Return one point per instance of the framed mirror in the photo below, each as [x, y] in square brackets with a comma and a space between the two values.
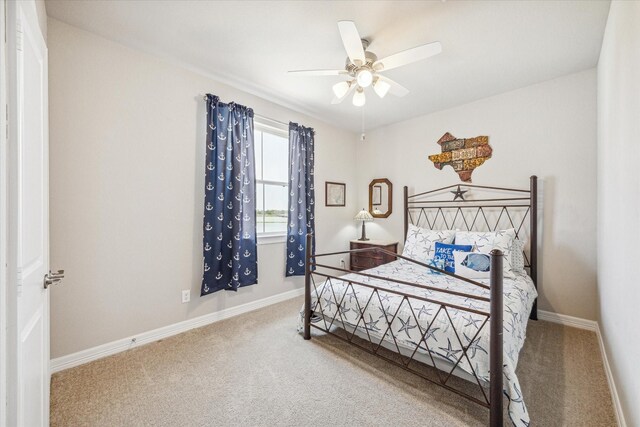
[380, 198]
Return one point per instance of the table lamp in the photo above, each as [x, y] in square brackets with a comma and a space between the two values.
[363, 216]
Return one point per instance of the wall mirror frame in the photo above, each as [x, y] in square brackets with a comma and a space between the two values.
[380, 198]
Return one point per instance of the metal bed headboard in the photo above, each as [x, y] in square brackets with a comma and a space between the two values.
[504, 208]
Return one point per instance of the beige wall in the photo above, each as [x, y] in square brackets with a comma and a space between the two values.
[548, 130]
[127, 172]
[127, 181]
[619, 200]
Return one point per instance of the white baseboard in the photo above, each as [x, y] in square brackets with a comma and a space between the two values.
[91, 354]
[591, 325]
[563, 319]
[612, 385]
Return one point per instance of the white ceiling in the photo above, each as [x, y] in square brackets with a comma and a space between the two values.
[489, 47]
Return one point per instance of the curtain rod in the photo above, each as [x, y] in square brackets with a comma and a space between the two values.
[261, 117]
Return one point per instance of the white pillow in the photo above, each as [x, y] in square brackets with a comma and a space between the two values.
[517, 257]
[485, 242]
[421, 242]
[472, 265]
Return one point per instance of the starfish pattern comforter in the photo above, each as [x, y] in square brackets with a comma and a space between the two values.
[345, 302]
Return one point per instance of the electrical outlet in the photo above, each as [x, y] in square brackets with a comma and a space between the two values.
[342, 265]
[186, 296]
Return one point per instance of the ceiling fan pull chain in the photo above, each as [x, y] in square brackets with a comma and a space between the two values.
[362, 135]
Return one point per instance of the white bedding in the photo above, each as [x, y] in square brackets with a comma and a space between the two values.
[519, 295]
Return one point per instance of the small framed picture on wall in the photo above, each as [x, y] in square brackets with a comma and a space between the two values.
[335, 193]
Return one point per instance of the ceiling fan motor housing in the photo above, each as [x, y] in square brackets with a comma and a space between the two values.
[369, 56]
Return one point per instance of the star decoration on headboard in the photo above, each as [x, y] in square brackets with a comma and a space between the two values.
[463, 155]
[458, 194]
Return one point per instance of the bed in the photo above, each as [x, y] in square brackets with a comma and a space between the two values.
[465, 328]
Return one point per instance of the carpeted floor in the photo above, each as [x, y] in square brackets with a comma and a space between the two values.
[255, 370]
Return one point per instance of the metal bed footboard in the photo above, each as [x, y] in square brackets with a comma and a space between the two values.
[494, 319]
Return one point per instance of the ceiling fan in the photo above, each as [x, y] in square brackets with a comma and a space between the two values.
[363, 68]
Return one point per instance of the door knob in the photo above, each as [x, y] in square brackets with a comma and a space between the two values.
[53, 278]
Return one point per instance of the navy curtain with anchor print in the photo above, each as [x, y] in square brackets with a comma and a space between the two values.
[229, 242]
[301, 197]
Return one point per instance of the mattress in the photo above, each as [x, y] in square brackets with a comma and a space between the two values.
[409, 320]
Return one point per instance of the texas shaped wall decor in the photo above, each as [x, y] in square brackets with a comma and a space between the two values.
[463, 155]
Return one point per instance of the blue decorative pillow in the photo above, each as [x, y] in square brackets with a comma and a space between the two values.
[445, 251]
[473, 265]
[437, 263]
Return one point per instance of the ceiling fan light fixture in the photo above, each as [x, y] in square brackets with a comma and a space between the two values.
[362, 67]
[359, 98]
[381, 87]
[364, 77]
[340, 89]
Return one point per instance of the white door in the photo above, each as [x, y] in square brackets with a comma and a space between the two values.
[29, 210]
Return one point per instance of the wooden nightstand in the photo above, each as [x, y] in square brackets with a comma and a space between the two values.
[363, 260]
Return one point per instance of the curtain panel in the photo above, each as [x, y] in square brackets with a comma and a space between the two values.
[301, 197]
[229, 226]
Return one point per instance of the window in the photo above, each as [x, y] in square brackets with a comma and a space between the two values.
[272, 177]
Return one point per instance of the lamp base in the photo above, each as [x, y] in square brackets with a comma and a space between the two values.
[363, 238]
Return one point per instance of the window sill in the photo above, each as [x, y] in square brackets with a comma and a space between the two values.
[270, 239]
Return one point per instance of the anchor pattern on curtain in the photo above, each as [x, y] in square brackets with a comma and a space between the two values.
[229, 226]
[301, 197]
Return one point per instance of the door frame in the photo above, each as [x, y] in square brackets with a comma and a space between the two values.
[4, 223]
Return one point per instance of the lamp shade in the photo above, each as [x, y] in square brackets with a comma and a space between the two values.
[340, 89]
[364, 78]
[363, 215]
[381, 88]
[359, 98]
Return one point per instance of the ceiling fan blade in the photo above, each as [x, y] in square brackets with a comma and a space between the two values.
[351, 41]
[318, 72]
[408, 56]
[396, 88]
[337, 100]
